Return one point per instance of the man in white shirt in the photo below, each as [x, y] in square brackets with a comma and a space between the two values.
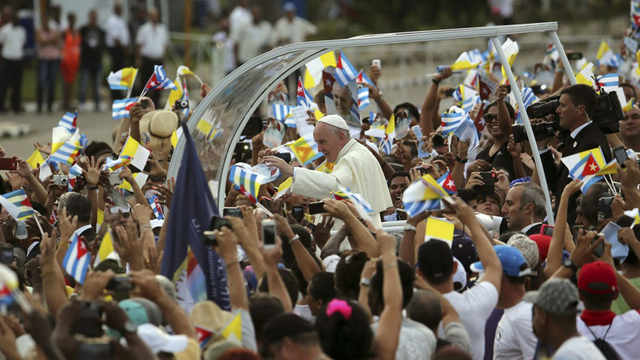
[117, 38]
[12, 38]
[223, 37]
[252, 38]
[291, 28]
[514, 338]
[555, 307]
[239, 16]
[151, 46]
[436, 266]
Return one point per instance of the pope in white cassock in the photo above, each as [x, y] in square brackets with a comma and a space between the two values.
[355, 168]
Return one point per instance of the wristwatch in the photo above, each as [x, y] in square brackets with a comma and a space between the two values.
[569, 263]
[409, 227]
[365, 281]
[129, 327]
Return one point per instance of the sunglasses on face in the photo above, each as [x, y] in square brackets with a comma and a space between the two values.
[490, 117]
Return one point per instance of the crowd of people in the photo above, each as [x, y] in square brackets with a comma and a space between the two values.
[112, 259]
[79, 53]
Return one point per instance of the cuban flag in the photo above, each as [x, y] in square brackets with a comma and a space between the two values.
[69, 121]
[303, 96]
[609, 82]
[634, 15]
[247, 181]
[361, 205]
[155, 206]
[76, 261]
[587, 166]
[280, 112]
[386, 147]
[363, 98]
[362, 78]
[418, 207]
[447, 183]
[450, 121]
[17, 204]
[528, 98]
[120, 108]
[159, 80]
[204, 335]
[345, 72]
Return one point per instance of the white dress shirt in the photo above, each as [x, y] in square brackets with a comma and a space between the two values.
[288, 32]
[117, 29]
[152, 40]
[12, 39]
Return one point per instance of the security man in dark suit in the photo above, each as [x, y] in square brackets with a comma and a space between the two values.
[577, 104]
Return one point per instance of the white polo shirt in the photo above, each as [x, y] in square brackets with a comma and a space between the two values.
[514, 336]
[624, 334]
[474, 307]
[152, 40]
[12, 39]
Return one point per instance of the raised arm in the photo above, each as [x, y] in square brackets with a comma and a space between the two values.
[554, 258]
[486, 253]
[305, 261]
[228, 250]
[365, 240]
[385, 342]
[430, 104]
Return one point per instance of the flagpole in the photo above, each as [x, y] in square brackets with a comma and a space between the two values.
[38, 223]
[437, 73]
[198, 78]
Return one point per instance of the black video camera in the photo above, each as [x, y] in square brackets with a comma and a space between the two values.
[544, 108]
[608, 112]
[540, 131]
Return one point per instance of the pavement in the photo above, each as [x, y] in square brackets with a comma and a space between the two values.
[31, 127]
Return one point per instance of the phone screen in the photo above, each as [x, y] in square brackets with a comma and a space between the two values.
[232, 211]
[489, 184]
[620, 153]
[6, 256]
[316, 208]
[8, 164]
[268, 232]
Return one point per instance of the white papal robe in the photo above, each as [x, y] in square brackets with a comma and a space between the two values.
[355, 168]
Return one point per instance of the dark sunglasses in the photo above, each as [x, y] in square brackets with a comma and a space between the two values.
[490, 117]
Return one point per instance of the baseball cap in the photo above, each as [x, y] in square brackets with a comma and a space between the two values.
[284, 325]
[136, 312]
[435, 259]
[459, 277]
[543, 242]
[513, 263]
[463, 249]
[159, 341]
[528, 248]
[597, 278]
[556, 296]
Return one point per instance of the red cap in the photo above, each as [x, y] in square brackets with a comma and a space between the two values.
[543, 242]
[599, 273]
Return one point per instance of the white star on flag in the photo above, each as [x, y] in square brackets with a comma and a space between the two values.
[450, 183]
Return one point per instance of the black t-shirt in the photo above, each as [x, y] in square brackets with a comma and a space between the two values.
[501, 159]
[92, 43]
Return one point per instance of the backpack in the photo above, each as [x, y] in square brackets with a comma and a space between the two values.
[603, 345]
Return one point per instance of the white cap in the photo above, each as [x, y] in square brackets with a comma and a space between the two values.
[155, 223]
[460, 276]
[159, 341]
[335, 120]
